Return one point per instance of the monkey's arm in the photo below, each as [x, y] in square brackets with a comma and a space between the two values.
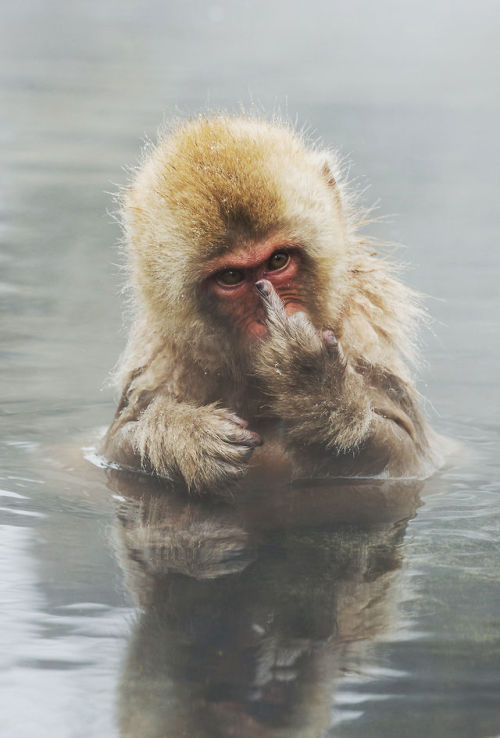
[365, 415]
[205, 446]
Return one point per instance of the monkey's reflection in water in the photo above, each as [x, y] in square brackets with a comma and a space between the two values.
[251, 609]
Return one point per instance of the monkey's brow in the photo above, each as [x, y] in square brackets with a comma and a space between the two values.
[213, 267]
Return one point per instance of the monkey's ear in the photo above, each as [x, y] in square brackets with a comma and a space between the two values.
[328, 175]
[328, 165]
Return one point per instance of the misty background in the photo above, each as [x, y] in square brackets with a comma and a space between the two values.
[409, 93]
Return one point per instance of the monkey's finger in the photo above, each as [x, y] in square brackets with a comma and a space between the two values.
[296, 327]
[363, 366]
[235, 419]
[245, 438]
[333, 347]
[273, 306]
[235, 455]
[244, 452]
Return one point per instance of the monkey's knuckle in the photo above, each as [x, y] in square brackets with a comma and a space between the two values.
[237, 454]
[244, 439]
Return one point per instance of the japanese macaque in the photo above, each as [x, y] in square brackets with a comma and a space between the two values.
[268, 334]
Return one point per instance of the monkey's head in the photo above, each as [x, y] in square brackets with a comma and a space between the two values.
[222, 203]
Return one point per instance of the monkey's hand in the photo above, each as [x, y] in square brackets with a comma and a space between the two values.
[208, 447]
[309, 382]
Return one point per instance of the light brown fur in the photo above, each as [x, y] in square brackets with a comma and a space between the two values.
[320, 405]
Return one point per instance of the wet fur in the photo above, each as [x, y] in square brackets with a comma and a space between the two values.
[209, 186]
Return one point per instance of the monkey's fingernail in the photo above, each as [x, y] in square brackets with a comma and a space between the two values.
[256, 439]
[263, 286]
[329, 339]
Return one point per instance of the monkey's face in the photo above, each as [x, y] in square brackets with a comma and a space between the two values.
[221, 204]
[231, 283]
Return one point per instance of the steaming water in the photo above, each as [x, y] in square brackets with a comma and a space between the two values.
[128, 612]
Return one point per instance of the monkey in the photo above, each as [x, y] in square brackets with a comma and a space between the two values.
[269, 335]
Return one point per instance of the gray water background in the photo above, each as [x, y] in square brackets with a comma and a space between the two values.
[410, 93]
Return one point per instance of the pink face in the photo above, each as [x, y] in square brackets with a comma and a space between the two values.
[231, 280]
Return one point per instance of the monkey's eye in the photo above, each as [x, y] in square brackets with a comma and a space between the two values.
[278, 260]
[230, 277]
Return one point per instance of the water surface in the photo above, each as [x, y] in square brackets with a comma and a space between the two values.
[367, 610]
